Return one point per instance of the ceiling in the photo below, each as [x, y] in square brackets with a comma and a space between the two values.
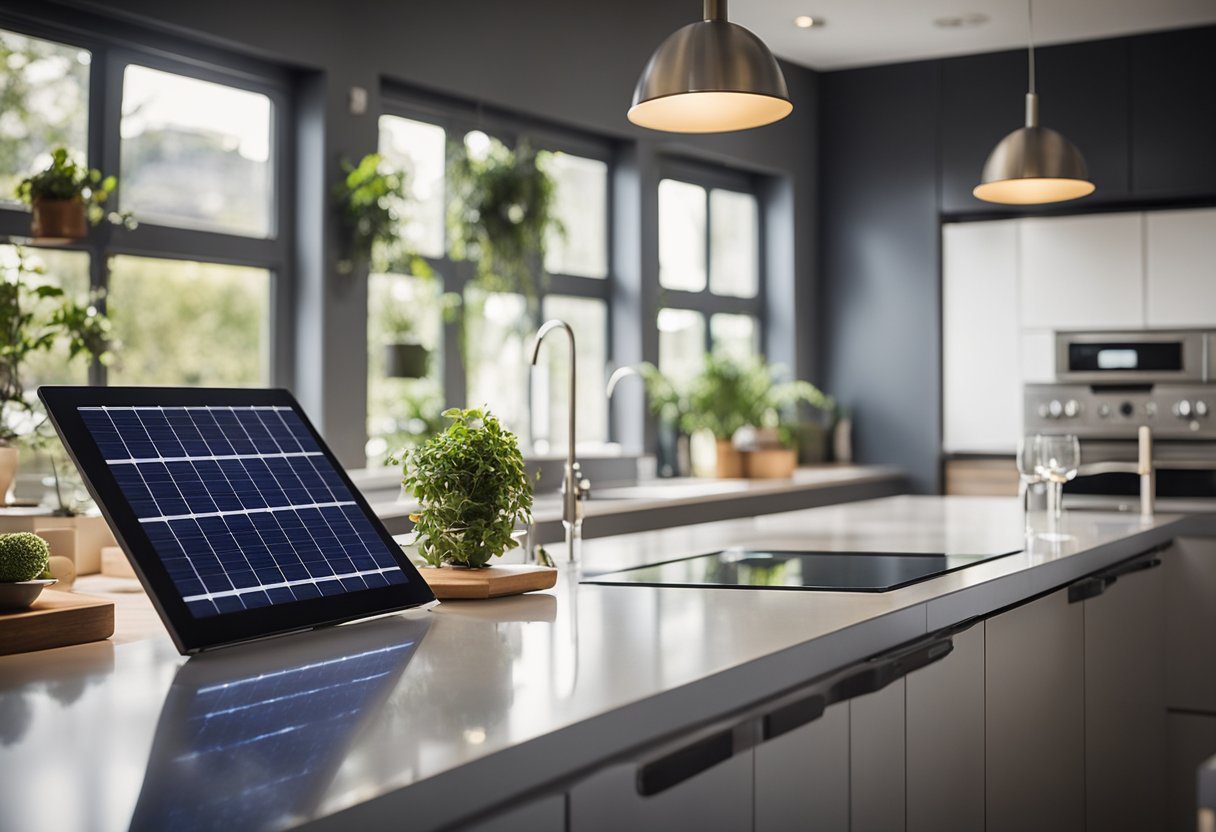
[866, 32]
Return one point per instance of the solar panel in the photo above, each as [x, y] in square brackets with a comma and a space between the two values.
[240, 504]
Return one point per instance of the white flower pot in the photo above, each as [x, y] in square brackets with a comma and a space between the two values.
[8, 473]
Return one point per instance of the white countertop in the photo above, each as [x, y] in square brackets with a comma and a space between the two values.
[517, 690]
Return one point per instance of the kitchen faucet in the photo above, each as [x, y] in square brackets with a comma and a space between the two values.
[1143, 466]
[574, 488]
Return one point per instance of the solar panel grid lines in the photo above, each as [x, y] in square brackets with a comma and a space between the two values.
[241, 504]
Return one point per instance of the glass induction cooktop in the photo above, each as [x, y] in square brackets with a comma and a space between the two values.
[823, 571]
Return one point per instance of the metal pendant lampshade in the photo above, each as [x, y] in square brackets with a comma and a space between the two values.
[712, 76]
[1033, 165]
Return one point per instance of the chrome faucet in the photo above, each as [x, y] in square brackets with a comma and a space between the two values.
[1143, 466]
[619, 375]
[574, 488]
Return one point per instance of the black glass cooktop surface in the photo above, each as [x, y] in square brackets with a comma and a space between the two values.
[823, 571]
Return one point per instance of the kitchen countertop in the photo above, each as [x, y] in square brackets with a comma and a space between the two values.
[513, 693]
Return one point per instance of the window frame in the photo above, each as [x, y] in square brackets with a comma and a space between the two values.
[705, 301]
[457, 119]
[113, 47]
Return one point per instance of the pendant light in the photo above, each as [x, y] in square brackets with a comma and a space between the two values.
[712, 76]
[1033, 164]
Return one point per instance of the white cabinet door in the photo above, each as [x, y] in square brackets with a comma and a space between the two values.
[945, 744]
[981, 383]
[1082, 272]
[1034, 761]
[1181, 261]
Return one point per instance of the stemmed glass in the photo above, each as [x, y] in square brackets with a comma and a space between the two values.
[1058, 459]
[1028, 474]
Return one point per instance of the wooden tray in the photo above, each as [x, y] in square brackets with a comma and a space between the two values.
[489, 582]
[57, 619]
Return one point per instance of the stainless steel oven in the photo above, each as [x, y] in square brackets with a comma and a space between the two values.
[1107, 385]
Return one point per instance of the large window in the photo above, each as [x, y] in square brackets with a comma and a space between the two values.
[709, 268]
[198, 148]
[491, 367]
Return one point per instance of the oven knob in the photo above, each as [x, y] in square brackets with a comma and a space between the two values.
[1150, 408]
[1044, 413]
[1072, 408]
[1201, 409]
[1055, 409]
[1104, 410]
[1183, 409]
[1127, 409]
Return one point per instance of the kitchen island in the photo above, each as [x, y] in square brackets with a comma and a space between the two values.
[552, 711]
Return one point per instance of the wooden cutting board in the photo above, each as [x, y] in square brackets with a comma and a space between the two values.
[450, 584]
[56, 619]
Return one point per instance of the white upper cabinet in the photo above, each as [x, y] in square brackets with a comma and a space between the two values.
[980, 356]
[1082, 272]
[1181, 268]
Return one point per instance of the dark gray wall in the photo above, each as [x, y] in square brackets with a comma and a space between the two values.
[880, 316]
[571, 63]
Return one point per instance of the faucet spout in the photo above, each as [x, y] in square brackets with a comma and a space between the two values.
[572, 512]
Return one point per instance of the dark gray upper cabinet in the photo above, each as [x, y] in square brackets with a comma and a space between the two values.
[1173, 113]
[1082, 94]
[982, 100]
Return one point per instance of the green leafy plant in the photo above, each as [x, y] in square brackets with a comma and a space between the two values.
[23, 556]
[64, 180]
[500, 213]
[34, 316]
[730, 393]
[372, 200]
[473, 489]
[665, 401]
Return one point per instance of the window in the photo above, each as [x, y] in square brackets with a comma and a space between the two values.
[709, 269]
[44, 87]
[195, 154]
[179, 322]
[192, 290]
[493, 367]
[69, 271]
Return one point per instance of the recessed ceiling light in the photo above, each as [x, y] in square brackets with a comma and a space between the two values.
[805, 21]
[961, 21]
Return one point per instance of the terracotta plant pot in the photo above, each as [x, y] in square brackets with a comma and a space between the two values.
[8, 473]
[406, 360]
[770, 463]
[729, 460]
[59, 220]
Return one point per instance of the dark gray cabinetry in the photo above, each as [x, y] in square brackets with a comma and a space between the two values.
[802, 777]
[1035, 717]
[945, 740]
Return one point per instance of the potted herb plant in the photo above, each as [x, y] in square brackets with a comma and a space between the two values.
[24, 559]
[472, 487]
[34, 316]
[669, 406]
[65, 198]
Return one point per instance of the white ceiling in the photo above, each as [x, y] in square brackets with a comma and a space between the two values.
[865, 32]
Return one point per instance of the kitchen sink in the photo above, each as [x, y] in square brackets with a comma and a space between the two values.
[667, 491]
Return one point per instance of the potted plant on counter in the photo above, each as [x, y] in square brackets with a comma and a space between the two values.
[472, 489]
[24, 560]
[66, 198]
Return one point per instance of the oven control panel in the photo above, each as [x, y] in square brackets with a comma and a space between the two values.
[1171, 410]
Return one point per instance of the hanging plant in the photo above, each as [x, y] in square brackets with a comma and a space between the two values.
[371, 201]
[500, 211]
[65, 198]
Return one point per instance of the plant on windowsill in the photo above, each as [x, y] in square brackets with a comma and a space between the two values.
[372, 200]
[472, 488]
[34, 317]
[66, 198]
[669, 406]
[752, 416]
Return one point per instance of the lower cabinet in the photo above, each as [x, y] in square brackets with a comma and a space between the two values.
[876, 760]
[1191, 739]
[547, 814]
[945, 740]
[718, 799]
[1034, 761]
[1125, 703]
[1190, 623]
[802, 778]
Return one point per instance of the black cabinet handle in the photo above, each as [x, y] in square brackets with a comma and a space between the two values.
[685, 763]
[1095, 585]
[794, 715]
[881, 671]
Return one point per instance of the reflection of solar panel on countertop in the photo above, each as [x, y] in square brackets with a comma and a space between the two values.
[241, 505]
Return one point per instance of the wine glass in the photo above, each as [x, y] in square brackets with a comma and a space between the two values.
[1058, 458]
[1028, 474]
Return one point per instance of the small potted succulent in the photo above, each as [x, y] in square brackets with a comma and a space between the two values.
[472, 488]
[66, 198]
[24, 559]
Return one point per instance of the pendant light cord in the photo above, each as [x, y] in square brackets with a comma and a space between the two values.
[1030, 40]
